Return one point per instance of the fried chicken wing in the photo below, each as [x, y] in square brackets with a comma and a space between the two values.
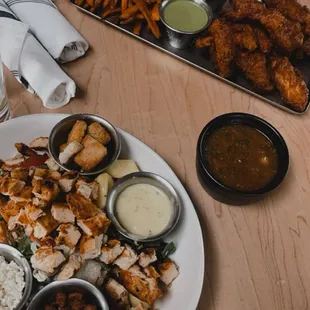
[284, 33]
[222, 48]
[306, 46]
[290, 83]
[203, 42]
[244, 36]
[254, 67]
[293, 10]
[263, 40]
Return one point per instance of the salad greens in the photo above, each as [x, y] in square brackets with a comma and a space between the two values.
[24, 246]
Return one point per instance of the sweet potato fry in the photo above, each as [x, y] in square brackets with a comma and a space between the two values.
[128, 20]
[129, 12]
[124, 5]
[140, 16]
[90, 2]
[79, 2]
[137, 27]
[144, 10]
[155, 12]
[110, 12]
[97, 4]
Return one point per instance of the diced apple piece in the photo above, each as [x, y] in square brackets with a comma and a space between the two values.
[122, 167]
[105, 182]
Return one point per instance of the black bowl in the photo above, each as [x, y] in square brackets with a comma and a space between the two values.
[228, 195]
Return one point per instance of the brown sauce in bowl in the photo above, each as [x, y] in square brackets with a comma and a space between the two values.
[241, 157]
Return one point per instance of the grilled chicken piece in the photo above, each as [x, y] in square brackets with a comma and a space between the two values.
[68, 270]
[40, 203]
[62, 213]
[117, 292]
[68, 235]
[12, 222]
[139, 307]
[10, 208]
[138, 284]
[47, 260]
[168, 272]
[33, 212]
[44, 226]
[41, 173]
[67, 181]
[13, 163]
[90, 247]
[91, 156]
[25, 149]
[81, 207]
[88, 190]
[254, 67]
[10, 187]
[111, 251]
[46, 190]
[77, 132]
[70, 151]
[96, 225]
[151, 272]
[4, 234]
[290, 83]
[127, 258]
[20, 174]
[39, 143]
[147, 257]
[136, 302]
[23, 196]
[99, 133]
[23, 220]
[52, 165]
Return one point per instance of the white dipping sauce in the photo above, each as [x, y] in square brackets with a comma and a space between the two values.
[143, 209]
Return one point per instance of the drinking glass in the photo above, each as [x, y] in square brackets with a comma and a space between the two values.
[4, 105]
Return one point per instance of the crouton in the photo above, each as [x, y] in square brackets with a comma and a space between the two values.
[39, 143]
[62, 213]
[63, 146]
[81, 207]
[78, 131]
[96, 225]
[70, 151]
[111, 251]
[91, 156]
[99, 133]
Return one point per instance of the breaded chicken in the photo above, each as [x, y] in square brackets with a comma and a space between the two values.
[78, 131]
[62, 213]
[81, 207]
[244, 36]
[111, 251]
[95, 225]
[40, 143]
[91, 156]
[68, 235]
[254, 67]
[263, 40]
[99, 133]
[47, 260]
[289, 82]
[202, 42]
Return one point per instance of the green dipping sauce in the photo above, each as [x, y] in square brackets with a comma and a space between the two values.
[184, 15]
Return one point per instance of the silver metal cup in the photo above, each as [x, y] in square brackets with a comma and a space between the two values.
[182, 39]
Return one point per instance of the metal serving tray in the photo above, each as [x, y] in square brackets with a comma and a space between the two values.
[200, 59]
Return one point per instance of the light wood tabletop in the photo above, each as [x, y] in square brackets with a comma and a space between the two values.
[257, 256]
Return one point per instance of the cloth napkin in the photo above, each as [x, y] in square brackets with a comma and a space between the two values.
[50, 27]
[31, 64]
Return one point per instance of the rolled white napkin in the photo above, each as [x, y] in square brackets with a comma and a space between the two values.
[50, 27]
[31, 64]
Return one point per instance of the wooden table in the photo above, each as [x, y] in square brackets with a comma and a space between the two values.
[257, 257]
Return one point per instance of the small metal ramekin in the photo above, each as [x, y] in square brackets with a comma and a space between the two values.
[144, 178]
[182, 39]
[60, 132]
[12, 254]
[68, 286]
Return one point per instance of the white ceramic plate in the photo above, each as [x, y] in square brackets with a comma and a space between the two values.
[186, 289]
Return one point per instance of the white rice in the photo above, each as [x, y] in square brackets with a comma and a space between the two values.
[12, 284]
